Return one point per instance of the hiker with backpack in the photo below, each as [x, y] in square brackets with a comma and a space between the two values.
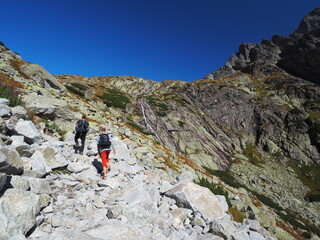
[105, 145]
[81, 129]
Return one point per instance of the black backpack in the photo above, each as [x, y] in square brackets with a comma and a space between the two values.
[81, 126]
[104, 140]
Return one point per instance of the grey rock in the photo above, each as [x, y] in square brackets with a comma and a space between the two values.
[198, 199]
[24, 149]
[69, 235]
[117, 230]
[18, 217]
[240, 236]
[49, 107]
[3, 127]
[122, 151]
[198, 221]
[29, 131]
[223, 228]
[41, 76]
[179, 217]
[77, 167]
[18, 237]
[38, 164]
[89, 93]
[5, 140]
[223, 202]
[253, 224]
[185, 177]
[53, 157]
[19, 112]
[4, 101]
[10, 161]
[19, 182]
[5, 111]
[38, 185]
[255, 236]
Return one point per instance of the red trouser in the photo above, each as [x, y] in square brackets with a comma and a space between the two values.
[105, 158]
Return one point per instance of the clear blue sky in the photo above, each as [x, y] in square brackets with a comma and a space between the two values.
[153, 39]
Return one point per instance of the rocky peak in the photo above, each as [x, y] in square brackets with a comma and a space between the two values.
[296, 54]
[310, 22]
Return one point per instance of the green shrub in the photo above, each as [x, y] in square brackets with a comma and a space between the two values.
[156, 102]
[296, 111]
[61, 171]
[56, 128]
[292, 220]
[161, 114]
[79, 86]
[137, 127]
[282, 213]
[75, 90]
[310, 176]
[180, 101]
[181, 124]
[267, 201]
[225, 177]
[314, 229]
[115, 98]
[254, 156]
[306, 235]
[11, 94]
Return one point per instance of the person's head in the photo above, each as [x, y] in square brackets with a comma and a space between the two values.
[103, 129]
[84, 117]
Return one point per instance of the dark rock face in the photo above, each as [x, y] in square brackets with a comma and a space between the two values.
[297, 54]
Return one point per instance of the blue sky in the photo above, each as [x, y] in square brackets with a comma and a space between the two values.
[154, 39]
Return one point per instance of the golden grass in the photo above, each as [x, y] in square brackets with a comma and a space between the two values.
[4, 79]
[297, 234]
[236, 215]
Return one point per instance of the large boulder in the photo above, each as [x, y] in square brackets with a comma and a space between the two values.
[18, 211]
[5, 140]
[38, 164]
[53, 157]
[42, 76]
[197, 198]
[19, 112]
[122, 151]
[29, 131]
[48, 107]
[35, 185]
[24, 149]
[10, 161]
[5, 110]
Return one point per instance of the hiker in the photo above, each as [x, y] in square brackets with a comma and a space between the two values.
[105, 145]
[82, 128]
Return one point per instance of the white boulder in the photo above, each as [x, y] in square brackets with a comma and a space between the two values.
[198, 199]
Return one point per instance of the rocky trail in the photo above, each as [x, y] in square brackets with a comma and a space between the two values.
[51, 193]
[134, 202]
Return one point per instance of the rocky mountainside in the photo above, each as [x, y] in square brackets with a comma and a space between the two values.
[249, 131]
[49, 192]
